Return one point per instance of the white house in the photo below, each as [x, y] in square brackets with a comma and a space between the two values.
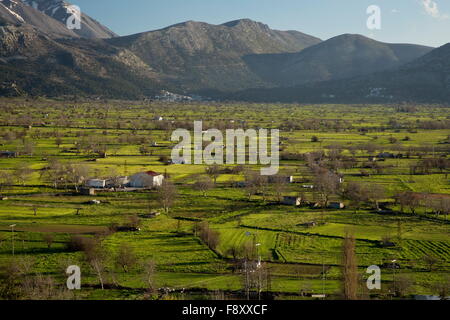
[96, 183]
[149, 179]
[286, 179]
[292, 201]
[117, 182]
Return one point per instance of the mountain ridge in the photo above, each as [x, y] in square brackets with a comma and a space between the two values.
[17, 13]
[194, 55]
[340, 57]
[242, 59]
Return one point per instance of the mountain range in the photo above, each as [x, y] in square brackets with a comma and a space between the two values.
[238, 60]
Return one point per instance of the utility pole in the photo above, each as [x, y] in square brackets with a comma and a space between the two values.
[247, 285]
[394, 265]
[323, 276]
[258, 269]
[12, 238]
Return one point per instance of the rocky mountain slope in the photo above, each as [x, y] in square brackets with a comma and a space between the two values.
[14, 12]
[60, 11]
[40, 65]
[196, 55]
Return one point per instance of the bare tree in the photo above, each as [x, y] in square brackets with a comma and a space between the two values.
[6, 179]
[442, 288]
[214, 172]
[48, 239]
[76, 174]
[408, 199]
[209, 236]
[375, 193]
[149, 276]
[430, 261]
[279, 187]
[95, 255]
[166, 195]
[126, 258]
[356, 193]
[403, 284]
[54, 173]
[22, 173]
[326, 184]
[203, 185]
[349, 267]
[28, 148]
[255, 183]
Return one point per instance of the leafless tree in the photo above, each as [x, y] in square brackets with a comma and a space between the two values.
[22, 173]
[6, 179]
[403, 284]
[356, 193]
[126, 258]
[442, 288]
[203, 185]
[430, 261]
[214, 172]
[28, 148]
[54, 173]
[255, 184]
[326, 184]
[76, 174]
[209, 236]
[375, 193]
[279, 187]
[408, 199]
[149, 276]
[48, 239]
[349, 267]
[166, 195]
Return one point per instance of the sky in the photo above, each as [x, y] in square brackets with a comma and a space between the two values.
[425, 22]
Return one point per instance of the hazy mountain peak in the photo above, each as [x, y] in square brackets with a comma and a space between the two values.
[58, 9]
[14, 12]
[242, 22]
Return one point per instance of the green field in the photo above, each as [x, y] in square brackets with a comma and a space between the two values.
[77, 133]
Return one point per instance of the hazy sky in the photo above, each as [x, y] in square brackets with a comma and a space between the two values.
[407, 21]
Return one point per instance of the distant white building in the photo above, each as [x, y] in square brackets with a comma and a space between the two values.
[117, 182]
[386, 155]
[292, 201]
[96, 183]
[286, 179]
[336, 205]
[179, 161]
[149, 179]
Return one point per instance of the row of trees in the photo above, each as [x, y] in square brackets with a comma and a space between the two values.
[101, 262]
[439, 205]
[61, 174]
[209, 236]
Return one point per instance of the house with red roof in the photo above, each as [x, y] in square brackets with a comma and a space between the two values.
[148, 179]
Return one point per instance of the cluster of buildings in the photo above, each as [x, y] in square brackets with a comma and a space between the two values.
[298, 201]
[141, 180]
[8, 154]
[172, 97]
[168, 96]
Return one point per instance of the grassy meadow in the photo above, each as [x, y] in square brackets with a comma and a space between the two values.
[116, 138]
